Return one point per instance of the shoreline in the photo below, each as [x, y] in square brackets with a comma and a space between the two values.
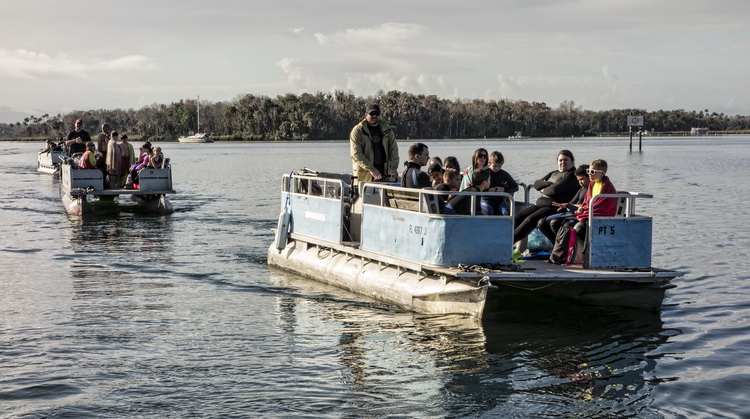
[589, 137]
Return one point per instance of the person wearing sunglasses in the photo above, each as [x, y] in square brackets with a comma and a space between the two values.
[479, 161]
[603, 207]
[373, 148]
[557, 186]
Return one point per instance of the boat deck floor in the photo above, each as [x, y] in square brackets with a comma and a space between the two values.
[541, 270]
[121, 191]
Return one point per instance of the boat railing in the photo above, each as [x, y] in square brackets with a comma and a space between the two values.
[423, 200]
[625, 202]
[319, 204]
[409, 224]
[526, 191]
[315, 185]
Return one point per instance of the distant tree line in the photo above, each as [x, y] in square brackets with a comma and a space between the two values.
[330, 116]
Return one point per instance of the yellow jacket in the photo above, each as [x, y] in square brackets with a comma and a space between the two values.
[360, 144]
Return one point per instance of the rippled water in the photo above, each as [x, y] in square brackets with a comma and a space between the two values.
[131, 315]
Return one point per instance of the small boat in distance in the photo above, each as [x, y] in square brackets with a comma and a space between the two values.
[82, 190]
[198, 136]
[519, 136]
[48, 160]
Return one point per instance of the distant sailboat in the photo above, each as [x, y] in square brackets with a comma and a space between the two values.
[198, 136]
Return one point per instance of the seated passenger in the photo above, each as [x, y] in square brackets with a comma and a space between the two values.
[88, 160]
[603, 207]
[566, 210]
[557, 186]
[143, 161]
[562, 252]
[451, 181]
[451, 162]
[461, 204]
[500, 181]
[435, 171]
[157, 159]
[413, 176]
[50, 147]
[478, 162]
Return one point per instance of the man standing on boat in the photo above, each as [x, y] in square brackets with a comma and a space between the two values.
[373, 148]
[413, 176]
[103, 139]
[77, 139]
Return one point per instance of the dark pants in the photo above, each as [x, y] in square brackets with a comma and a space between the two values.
[527, 219]
[549, 225]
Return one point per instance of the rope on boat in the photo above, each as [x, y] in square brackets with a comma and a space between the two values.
[484, 268]
[530, 289]
[327, 253]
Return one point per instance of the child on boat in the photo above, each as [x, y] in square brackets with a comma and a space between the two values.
[500, 181]
[602, 207]
[157, 159]
[461, 204]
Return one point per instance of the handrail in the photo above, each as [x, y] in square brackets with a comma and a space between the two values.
[294, 187]
[422, 192]
[526, 191]
[629, 203]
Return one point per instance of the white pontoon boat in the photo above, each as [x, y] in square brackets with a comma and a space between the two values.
[82, 189]
[393, 244]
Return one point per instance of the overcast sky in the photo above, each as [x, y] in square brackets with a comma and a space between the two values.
[59, 56]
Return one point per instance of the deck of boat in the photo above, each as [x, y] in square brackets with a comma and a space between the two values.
[541, 270]
[120, 191]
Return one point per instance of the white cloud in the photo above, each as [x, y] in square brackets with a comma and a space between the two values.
[23, 64]
[387, 34]
[293, 72]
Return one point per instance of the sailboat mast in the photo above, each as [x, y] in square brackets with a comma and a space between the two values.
[199, 114]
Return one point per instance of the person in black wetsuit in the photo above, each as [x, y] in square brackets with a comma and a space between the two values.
[565, 210]
[557, 186]
[413, 176]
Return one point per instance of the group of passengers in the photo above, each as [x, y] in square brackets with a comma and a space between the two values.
[113, 155]
[565, 192]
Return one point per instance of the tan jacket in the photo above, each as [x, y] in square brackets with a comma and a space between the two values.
[360, 144]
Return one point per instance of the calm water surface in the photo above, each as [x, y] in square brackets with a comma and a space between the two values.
[131, 315]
